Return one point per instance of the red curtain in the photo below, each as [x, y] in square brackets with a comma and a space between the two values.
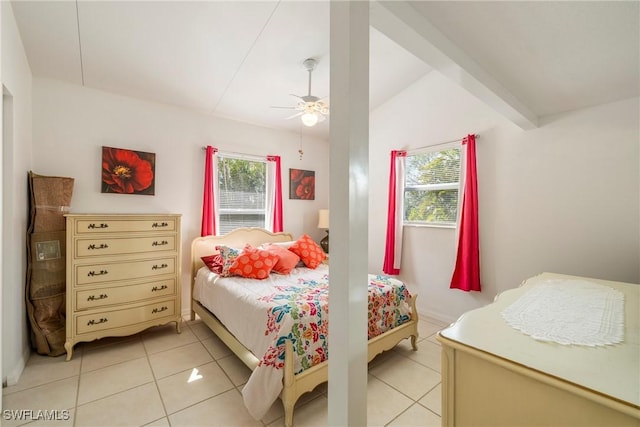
[278, 221]
[208, 201]
[466, 275]
[393, 246]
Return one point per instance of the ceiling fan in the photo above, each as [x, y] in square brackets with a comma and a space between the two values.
[311, 109]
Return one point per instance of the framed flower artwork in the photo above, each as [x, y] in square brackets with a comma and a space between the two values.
[302, 184]
[128, 172]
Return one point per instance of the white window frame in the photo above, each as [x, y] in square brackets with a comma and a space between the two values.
[434, 187]
[239, 211]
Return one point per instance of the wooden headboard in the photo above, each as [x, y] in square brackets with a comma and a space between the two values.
[203, 246]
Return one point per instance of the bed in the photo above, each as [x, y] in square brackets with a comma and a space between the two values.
[295, 375]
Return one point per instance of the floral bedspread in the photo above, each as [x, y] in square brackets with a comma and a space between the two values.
[299, 313]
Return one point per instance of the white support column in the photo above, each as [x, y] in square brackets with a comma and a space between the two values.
[348, 200]
[2, 283]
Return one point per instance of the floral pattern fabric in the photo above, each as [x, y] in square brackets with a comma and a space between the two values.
[229, 256]
[306, 308]
[264, 314]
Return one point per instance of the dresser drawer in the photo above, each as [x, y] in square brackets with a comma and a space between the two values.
[92, 322]
[92, 298]
[109, 272]
[123, 225]
[126, 245]
[122, 274]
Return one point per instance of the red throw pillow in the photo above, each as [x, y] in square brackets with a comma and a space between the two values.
[287, 260]
[309, 251]
[253, 263]
[214, 262]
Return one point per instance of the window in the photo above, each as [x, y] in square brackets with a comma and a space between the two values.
[432, 181]
[241, 192]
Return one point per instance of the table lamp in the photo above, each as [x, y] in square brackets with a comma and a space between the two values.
[323, 222]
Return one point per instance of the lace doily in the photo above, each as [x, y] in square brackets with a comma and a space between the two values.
[569, 312]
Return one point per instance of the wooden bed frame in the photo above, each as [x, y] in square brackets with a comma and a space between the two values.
[294, 385]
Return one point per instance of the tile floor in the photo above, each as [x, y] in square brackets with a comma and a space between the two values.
[160, 378]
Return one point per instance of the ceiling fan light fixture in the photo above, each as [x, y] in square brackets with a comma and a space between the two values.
[311, 109]
[309, 119]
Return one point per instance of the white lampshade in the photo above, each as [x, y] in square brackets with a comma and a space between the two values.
[323, 218]
[309, 119]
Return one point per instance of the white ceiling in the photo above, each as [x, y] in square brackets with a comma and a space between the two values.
[236, 59]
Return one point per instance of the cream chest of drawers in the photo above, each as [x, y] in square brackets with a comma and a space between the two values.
[123, 274]
[493, 374]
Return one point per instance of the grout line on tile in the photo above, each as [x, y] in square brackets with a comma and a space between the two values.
[159, 419]
[407, 409]
[195, 403]
[155, 381]
[430, 390]
[80, 352]
[399, 391]
[75, 406]
[415, 361]
[400, 414]
[114, 394]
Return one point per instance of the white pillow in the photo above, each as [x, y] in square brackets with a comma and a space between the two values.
[285, 245]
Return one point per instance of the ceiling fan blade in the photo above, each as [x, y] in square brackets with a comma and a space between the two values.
[294, 115]
[286, 108]
[308, 103]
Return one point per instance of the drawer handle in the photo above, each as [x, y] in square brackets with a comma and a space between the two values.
[158, 267]
[155, 288]
[99, 273]
[159, 224]
[99, 297]
[162, 243]
[100, 246]
[94, 322]
[159, 310]
[92, 226]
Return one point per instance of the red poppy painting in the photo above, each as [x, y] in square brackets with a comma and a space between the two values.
[302, 184]
[128, 172]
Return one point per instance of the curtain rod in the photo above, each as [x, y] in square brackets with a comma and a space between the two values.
[412, 149]
[241, 155]
[441, 143]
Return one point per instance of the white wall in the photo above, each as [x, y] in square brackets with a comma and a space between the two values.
[71, 124]
[16, 162]
[562, 198]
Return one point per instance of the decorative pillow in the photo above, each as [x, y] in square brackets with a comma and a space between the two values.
[214, 262]
[254, 263]
[287, 260]
[229, 255]
[285, 245]
[309, 251]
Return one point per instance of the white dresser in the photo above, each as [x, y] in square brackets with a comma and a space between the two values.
[123, 274]
[494, 375]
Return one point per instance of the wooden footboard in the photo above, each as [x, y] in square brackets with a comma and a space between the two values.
[295, 385]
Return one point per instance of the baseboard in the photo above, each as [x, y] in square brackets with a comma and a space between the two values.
[440, 317]
[14, 374]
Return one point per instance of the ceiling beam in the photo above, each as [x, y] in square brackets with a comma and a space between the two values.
[403, 24]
